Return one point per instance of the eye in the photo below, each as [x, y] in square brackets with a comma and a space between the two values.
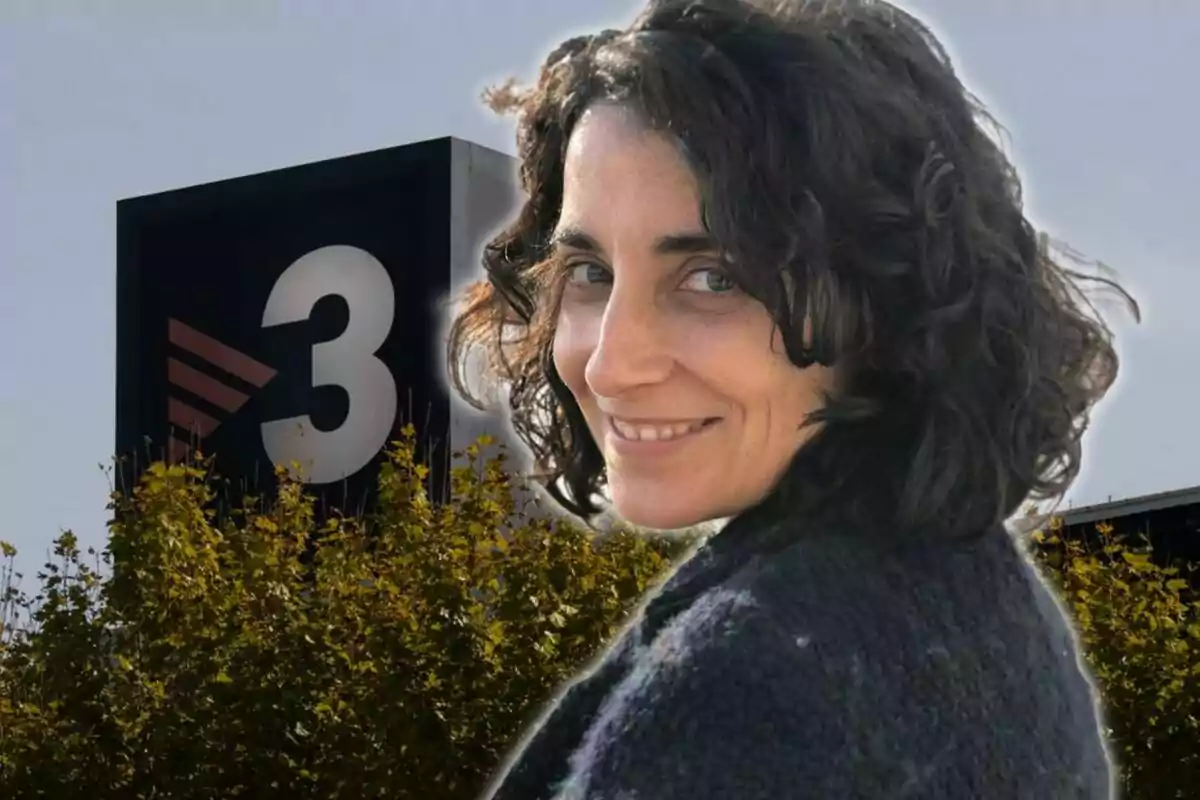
[587, 274]
[712, 280]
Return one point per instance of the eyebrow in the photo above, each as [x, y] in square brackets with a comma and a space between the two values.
[671, 244]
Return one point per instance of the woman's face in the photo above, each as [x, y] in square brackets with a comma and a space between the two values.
[683, 380]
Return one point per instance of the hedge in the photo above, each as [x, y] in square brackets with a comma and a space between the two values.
[266, 653]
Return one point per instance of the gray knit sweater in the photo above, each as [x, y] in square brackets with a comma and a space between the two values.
[831, 667]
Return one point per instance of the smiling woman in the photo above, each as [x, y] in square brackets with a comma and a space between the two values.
[680, 376]
[772, 267]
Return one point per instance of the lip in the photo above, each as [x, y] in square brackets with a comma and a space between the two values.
[630, 447]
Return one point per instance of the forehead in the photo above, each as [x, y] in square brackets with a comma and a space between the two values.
[620, 176]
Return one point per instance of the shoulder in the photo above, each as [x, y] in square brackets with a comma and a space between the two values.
[857, 671]
[965, 627]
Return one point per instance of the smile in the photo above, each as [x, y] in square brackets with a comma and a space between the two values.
[659, 430]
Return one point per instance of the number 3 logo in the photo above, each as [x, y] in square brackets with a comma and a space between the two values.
[349, 361]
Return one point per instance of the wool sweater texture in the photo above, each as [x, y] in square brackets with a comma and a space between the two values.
[831, 666]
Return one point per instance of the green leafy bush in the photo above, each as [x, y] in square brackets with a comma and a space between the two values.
[261, 655]
[1139, 624]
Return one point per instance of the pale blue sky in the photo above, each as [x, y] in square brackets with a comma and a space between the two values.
[1101, 102]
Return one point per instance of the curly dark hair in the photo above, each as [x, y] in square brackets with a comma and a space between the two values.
[855, 182]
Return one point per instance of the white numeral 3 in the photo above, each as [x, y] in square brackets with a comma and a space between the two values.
[349, 361]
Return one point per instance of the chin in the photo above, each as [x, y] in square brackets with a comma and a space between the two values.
[646, 513]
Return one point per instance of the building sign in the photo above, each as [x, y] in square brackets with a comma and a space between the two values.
[295, 317]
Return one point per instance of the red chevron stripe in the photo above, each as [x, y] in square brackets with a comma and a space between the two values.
[203, 386]
[220, 355]
[192, 420]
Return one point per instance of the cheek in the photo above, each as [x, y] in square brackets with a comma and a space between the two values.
[746, 361]
[808, 389]
[572, 347]
[733, 352]
[799, 393]
[796, 391]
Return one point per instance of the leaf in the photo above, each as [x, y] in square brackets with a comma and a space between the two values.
[266, 651]
[1135, 559]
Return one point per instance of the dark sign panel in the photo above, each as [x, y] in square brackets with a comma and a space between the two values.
[295, 317]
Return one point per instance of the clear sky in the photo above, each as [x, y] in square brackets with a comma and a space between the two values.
[128, 98]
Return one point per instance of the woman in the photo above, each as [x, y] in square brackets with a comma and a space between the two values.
[773, 268]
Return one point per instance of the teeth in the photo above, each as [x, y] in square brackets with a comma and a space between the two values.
[656, 433]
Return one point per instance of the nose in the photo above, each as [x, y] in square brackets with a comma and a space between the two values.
[632, 349]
